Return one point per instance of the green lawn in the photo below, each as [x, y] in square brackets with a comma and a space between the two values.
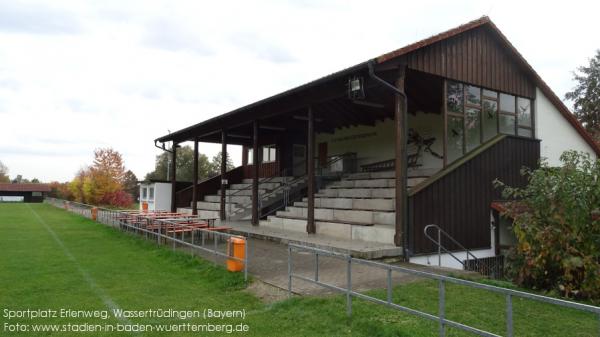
[52, 259]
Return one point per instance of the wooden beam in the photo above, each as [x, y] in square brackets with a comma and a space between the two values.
[222, 213]
[401, 131]
[244, 155]
[310, 219]
[195, 179]
[174, 178]
[285, 105]
[255, 173]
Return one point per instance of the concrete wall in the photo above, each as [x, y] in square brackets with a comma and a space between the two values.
[448, 261]
[376, 143]
[371, 143]
[555, 131]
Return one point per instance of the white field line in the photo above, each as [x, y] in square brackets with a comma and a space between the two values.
[109, 302]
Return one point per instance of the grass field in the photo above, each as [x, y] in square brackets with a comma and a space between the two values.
[51, 259]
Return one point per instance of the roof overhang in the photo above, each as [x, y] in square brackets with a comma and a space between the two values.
[315, 91]
[320, 90]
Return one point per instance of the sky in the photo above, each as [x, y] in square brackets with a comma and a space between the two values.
[80, 75]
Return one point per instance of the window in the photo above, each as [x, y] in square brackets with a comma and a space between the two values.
[144, 193]
[507, 114]
[269, 154]
[524, 117]
[455, 97]
[507, 103]
[473, 95]
[151, 193]
[475, 115]
[472, 128]
[455, 138]
[36, 194]
[507, 124]
[489, 118]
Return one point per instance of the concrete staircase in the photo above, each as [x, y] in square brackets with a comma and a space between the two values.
[360, 206]
[238, 201]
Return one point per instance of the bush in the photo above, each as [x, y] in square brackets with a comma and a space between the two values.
[557, 226]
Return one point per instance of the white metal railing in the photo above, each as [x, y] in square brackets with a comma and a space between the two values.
[442, 280]
[441, 247]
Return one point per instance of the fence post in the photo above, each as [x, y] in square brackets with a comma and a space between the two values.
[389, 285]
[289, 271]
[316, 266]
[158, 232]
[439, 247]
[192, 248]
[442, 308]
[349, 290]
[246, 259]
[509, 316]
[215, 248]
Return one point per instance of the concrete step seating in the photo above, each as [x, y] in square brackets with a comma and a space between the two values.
[360, 206]
[238, 197]
[358, 217]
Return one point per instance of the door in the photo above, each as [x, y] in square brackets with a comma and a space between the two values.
[299, 160]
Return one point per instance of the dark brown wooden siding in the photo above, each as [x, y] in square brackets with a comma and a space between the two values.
[265, 170]
[459, 202]
[476, 57]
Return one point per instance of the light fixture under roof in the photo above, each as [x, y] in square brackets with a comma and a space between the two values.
[356, 88]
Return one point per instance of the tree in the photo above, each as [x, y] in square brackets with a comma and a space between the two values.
[586, 96]
[60, 190]
[76, 185]
[215, 164]
[557, 226]
[35, 181]
[185, 168]
[102, 183]
[109, 162]
[4, 173]
[130, 184]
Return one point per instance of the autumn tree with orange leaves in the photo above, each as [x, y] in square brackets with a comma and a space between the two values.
[103, 182]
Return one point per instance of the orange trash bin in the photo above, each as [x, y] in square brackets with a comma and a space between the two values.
[94, 213]
[236, 247]
[145, 206]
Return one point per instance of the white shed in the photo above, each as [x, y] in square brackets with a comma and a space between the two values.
[157, 194]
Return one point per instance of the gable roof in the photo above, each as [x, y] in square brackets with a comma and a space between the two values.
[24, 188]
[220, 120]
[486, 21]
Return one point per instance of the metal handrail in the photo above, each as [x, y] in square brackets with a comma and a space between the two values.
[286, 184]
[260, 197]
[440, 318]
[441, 247]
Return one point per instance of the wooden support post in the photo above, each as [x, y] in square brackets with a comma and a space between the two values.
[244, 155]
[174, 178]
[310, 218]
[223, 214]
[401, 131]
[255, 166]
[195, 179]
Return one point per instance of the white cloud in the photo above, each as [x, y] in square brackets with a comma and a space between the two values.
[77, 75]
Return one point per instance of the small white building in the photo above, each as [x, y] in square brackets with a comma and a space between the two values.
[157, 194]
